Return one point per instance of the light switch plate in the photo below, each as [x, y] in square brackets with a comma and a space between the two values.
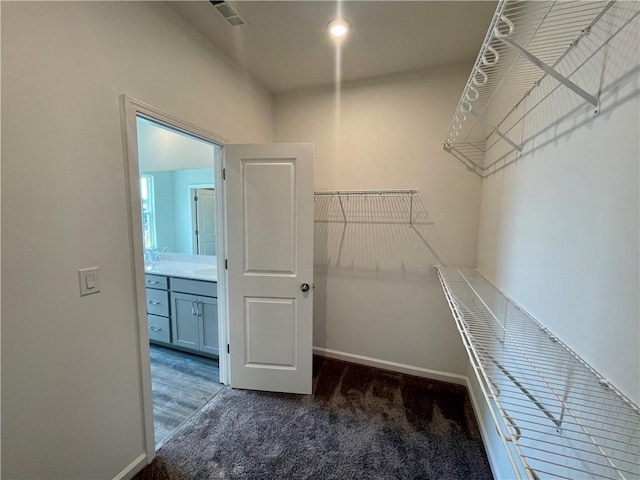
[89, 280]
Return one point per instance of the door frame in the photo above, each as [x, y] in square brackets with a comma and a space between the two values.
[130, 109]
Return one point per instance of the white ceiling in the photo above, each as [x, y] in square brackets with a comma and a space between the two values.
[285, 45]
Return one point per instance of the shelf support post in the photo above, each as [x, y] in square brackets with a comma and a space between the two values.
[497, 132]
[411, 211]
[344, 216]
[550, 71]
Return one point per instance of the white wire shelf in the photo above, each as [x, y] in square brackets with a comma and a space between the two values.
[378, 207]
[529, 42]
[370, 206]
[562, 418]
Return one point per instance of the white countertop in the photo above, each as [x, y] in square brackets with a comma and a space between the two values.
[185, 266]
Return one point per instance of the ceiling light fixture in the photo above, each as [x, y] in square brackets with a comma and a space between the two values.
[339, 28]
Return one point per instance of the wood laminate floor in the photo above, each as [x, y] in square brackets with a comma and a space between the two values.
[181, 383]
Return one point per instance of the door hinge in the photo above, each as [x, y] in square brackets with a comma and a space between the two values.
[226, 264]
[197, 232]
[195, 199]
[228, 348]
[224, 173]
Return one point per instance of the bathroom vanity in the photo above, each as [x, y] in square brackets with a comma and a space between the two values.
[182, 306]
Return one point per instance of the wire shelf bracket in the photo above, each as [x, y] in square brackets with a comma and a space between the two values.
[547, 69]
[497, 132]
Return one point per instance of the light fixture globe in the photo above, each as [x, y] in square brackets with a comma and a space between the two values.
[338, 28]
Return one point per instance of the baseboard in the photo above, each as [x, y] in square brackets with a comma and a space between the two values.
[488, 445]
[393, 366]
[133, 468]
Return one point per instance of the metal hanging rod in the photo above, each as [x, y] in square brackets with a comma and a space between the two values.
[525, 43]
[556, 416]
[344, 193]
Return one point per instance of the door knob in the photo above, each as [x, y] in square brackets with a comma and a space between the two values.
[304, 287]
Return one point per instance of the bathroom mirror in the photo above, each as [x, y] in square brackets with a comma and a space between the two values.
[177, 188]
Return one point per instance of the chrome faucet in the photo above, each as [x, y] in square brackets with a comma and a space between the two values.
[153, 255]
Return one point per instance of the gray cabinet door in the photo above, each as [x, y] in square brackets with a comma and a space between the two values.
[208, 308]
[184, 320]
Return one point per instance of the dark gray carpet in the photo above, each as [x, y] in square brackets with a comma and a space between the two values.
[359, 423]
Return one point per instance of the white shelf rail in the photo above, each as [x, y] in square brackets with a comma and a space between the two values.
[562, 418]
[527, 41]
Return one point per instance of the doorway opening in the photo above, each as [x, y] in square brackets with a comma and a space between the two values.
[173, 186]
[177, 198]
[263, 238]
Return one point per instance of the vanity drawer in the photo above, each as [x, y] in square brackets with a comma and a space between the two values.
[159, 328]
[194, 287]
[158, 302]
[155, 281]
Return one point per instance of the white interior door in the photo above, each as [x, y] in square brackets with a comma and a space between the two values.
[269, 195]
[206, 221]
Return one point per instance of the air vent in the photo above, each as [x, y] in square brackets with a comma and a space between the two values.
[235, 21]
[230, 13]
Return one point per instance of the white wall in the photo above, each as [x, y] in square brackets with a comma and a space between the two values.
[559, 229]
[376, 294]
[161, 148]
[71, 397]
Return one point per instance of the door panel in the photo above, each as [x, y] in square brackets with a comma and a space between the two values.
[270, 226]
[271, 332]
[209, 325]
[184, 320]
[269, 196]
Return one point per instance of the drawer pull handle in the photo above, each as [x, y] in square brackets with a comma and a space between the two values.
[153, 302]
[153, 282]
[155, 329]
